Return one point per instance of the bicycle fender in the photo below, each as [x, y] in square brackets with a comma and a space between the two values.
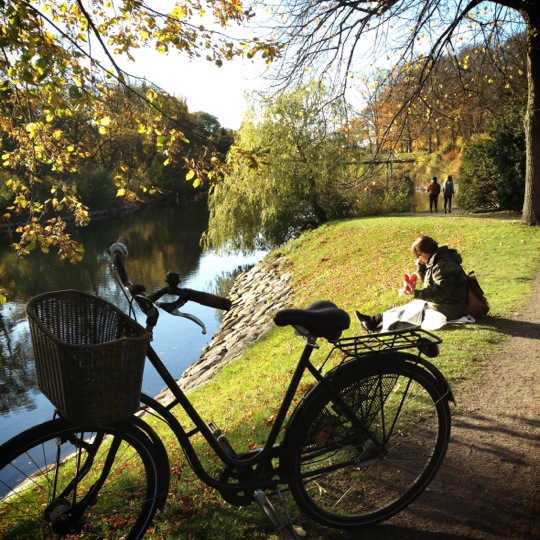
[161, 456]
[438, 375]
[426, 364]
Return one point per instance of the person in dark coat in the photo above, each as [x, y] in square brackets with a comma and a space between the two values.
[444, 285]
[448, 193]
[433, 189]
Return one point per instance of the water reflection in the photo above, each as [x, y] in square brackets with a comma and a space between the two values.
[161, 239]
[17, 373]
[164, 237]
[421, 200]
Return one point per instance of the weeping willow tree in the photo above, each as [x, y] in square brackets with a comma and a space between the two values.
[295, 182]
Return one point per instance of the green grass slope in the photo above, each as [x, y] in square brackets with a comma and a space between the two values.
[358, 264]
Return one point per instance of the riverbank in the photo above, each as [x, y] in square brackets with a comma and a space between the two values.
[256, 295]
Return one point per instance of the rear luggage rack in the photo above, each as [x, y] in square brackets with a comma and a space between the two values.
[415, 338]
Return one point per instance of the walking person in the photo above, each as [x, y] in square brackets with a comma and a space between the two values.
[433, 189]
[448, 193]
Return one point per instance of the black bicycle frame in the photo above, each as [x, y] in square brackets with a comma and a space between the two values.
[260, 457]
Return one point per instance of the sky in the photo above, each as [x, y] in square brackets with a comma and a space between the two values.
[206, 87]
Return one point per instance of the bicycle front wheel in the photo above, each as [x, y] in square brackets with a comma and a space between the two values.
[346, 476]
[60, 480]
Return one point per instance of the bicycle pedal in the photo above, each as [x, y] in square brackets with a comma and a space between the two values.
[222, 440]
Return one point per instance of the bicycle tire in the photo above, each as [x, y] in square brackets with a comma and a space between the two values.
[38, 466]
[336, 474]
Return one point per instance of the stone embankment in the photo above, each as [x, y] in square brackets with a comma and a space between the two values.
[256, 296]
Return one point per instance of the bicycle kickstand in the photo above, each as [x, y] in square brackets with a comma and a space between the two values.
[285, 531]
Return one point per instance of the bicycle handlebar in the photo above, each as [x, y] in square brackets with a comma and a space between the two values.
[119, 252]
[206, 299]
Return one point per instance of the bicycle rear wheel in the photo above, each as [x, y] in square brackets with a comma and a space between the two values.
[60, 480]
[342, 478]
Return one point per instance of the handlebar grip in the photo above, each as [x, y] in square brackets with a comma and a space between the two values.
[207, 299]
[119, 253]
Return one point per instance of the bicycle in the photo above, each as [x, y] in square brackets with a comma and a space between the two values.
[360, 446]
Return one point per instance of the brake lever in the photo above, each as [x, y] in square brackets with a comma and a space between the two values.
[192, 318]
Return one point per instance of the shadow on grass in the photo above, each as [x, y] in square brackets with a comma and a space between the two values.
[513, 327]
[502, 325]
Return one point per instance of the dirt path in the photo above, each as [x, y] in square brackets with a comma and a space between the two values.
[489, 484]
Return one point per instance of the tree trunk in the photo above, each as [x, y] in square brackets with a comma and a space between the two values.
[531, 204]
[320, 213]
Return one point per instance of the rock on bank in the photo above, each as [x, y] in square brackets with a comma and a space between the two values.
[256, 296]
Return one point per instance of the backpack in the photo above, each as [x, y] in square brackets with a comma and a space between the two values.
[477, 304]
[448, 187]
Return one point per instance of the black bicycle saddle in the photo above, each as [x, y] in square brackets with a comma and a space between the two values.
[320, 319]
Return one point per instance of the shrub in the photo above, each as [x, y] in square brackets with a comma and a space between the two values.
[492, 172]
[478, 178]
[97, 190]
[397, 199]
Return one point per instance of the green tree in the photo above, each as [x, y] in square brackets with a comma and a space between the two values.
[490, 178]
[58, 63]
[340, 39]
[296, 181]
[213, 133]
[477, 177]
[126, 158]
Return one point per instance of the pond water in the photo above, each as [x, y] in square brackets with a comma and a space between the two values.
[161, 239]
[421, 200]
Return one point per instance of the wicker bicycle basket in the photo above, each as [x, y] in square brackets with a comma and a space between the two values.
[89, 356]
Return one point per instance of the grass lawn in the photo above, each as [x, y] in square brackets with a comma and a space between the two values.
[358, 264]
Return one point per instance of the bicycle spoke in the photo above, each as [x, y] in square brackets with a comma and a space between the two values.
[346, 475]
[55, 479]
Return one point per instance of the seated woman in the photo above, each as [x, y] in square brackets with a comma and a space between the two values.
[444, 290]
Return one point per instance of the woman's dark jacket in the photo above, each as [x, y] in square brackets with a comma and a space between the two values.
[445, 283]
